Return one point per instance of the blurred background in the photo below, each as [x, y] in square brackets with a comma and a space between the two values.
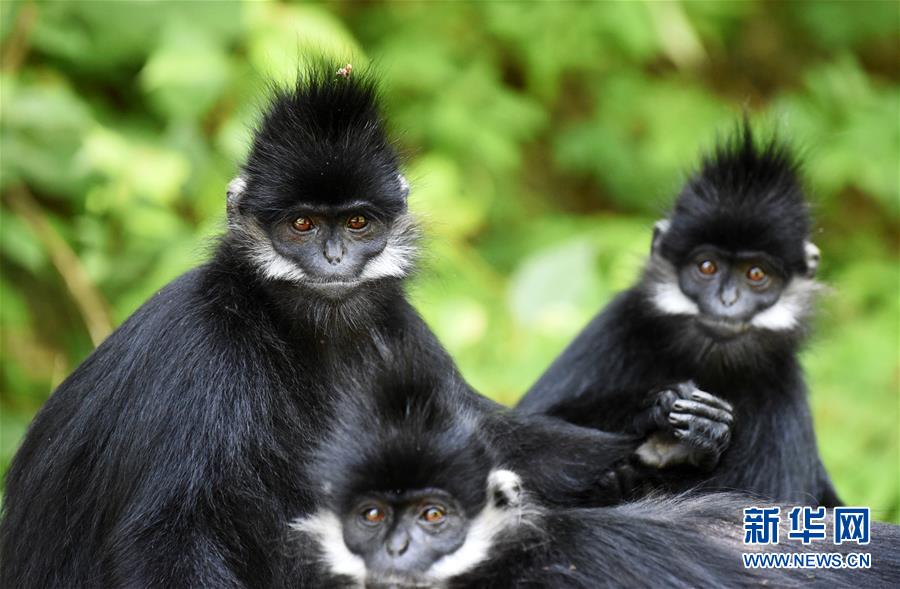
[543, 141]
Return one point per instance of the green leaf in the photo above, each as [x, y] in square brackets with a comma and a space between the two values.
[283, 36]
[186, 74]
[636, 149]
[41, 126]
[555, 289]
[132, 168]
[19, 244]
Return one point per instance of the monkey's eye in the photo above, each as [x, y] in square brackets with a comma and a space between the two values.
[434, 514]
[373, 515]
[302, 224]
[756, 274]
[707, 267]
[357, 222]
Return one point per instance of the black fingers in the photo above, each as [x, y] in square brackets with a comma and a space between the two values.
[657, 406]
[706, 439]
[686, 389]
[619, 483]
[664, 397]
[656, 410]
[703, 397]
[699, 409]
[701, 422]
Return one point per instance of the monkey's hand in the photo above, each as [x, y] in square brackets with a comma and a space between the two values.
[684, 425]
[620, 483]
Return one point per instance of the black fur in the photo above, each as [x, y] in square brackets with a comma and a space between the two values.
[416, 437]
[677, 542]
[323, 142]
[397, 434]
[743, 198]
[173, 455]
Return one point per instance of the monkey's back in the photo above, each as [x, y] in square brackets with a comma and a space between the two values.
[167, 421]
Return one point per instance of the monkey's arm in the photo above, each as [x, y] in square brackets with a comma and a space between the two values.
[571, 465]
[565, 464]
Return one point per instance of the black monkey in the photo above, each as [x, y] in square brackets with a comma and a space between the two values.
[409, 490]
[414, 494]
[722, 305]
[169, 457]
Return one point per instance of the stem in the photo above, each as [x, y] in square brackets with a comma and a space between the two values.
[91, 304]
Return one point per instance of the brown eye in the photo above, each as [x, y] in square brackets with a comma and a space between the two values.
[357, 222]
[434, 515]
[707, 267]
[302, 224]
[373, 515]
[756, 274]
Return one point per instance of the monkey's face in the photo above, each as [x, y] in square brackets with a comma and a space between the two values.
[416, 537]
[401, 537]
[730, 289]
[731, 296]
[332, 246]
[328, 247]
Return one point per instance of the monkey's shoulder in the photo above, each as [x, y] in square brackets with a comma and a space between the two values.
[181, 339]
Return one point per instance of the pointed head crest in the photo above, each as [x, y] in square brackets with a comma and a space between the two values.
[745, 197]
[323, 141]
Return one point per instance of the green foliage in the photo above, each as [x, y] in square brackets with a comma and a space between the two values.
[543, 140]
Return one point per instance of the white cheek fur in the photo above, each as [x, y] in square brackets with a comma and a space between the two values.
[485, 528]
[669, 299]
[262, 254]
[791, 307]
[277, 267]
[398, 255]
[665, 293]
[325, 528]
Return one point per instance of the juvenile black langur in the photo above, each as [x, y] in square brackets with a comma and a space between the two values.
[410, 493]
[414, 495]
[169, 457]
[722, 307]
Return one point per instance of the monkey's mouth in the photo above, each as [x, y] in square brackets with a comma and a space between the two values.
[333, 287]
[396, 582]
[335, 283]
[721, 328]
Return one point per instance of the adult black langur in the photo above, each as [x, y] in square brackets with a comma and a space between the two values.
[722, 307]
[169, 457]
[414, 493]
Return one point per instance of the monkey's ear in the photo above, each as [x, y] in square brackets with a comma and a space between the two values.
[813, 256]
[404, 185]
[504, 489]
[233, 194]
[659, 230]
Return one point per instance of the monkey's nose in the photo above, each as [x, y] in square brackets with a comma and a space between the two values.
[333, 252]
[397, 544]
[729, 296]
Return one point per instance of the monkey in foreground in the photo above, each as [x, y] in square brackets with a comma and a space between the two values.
[414, 495]
[169, 457]
[722, 307]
